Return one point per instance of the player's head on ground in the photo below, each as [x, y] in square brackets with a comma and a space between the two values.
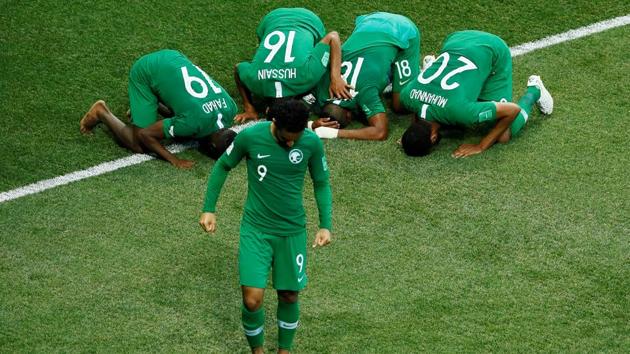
[335, 112]
[289, 117]
[416, 141]
[215, 144]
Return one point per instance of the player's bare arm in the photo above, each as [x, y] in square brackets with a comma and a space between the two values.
[150, 138]
[378, 129]
[506, 113]
[338, 86]
[246, 96]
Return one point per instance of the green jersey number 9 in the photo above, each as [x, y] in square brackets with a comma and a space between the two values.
[262, 172]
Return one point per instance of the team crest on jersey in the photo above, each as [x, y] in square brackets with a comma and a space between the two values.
[296, 156]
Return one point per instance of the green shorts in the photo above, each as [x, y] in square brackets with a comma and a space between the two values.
[498, 86]
[285, 255]
[143, 103]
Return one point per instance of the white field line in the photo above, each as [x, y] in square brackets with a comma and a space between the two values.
[139, 158]
[90, 172]
[570, 35]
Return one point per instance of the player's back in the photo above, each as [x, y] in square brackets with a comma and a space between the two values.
[289, 59]
[287, 36]
[455, 79]
[188, 91]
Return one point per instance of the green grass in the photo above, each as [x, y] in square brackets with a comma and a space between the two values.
[523, 248]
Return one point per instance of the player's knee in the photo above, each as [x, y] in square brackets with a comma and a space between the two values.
[137, 140]
[505, 137]
[252, 303]
[288, 296]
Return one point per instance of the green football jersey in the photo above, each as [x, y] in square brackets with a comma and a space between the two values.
[275, 178]
[289, 60]
[200, 105]
[381, 48]
[472, 69]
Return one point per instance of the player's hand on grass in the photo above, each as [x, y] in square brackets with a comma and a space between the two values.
[245, 116]
[184, 164]
[466, 150]
[340, 89]
[208, 222]
[322, 238]
[325, 122]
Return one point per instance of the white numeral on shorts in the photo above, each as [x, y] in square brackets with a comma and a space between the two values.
[262, 172]
[274, 48]
[469, 65]
[299, 260]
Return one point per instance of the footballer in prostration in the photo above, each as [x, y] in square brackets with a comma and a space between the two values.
[193, 105]
[469, 83]
[294, 52]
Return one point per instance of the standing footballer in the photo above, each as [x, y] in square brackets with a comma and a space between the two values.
[273, 228]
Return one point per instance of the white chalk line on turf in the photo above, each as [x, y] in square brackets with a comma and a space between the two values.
[570, 35]
[90, 172]
[139, 158]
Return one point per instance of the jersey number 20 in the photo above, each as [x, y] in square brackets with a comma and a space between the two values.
[468, 65]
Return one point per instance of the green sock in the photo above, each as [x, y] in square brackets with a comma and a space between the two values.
[253, 323]
[526, 103]
[288, 316]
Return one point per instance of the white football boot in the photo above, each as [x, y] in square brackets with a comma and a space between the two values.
[545, 102]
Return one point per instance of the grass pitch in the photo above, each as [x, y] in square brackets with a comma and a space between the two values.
[523, 248]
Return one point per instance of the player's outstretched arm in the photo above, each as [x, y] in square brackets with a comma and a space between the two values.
[322, 238]
[208, 222]
[506, 113]
[246, 96]
[338, 86]
[151, 136]
[378, 129]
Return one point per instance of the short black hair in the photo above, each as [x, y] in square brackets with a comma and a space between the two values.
[289, 114]
[335, 112]
[215, 144]
[416, 141]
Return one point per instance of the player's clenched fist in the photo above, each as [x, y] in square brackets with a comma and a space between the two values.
[322, 238]
[208, 222]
